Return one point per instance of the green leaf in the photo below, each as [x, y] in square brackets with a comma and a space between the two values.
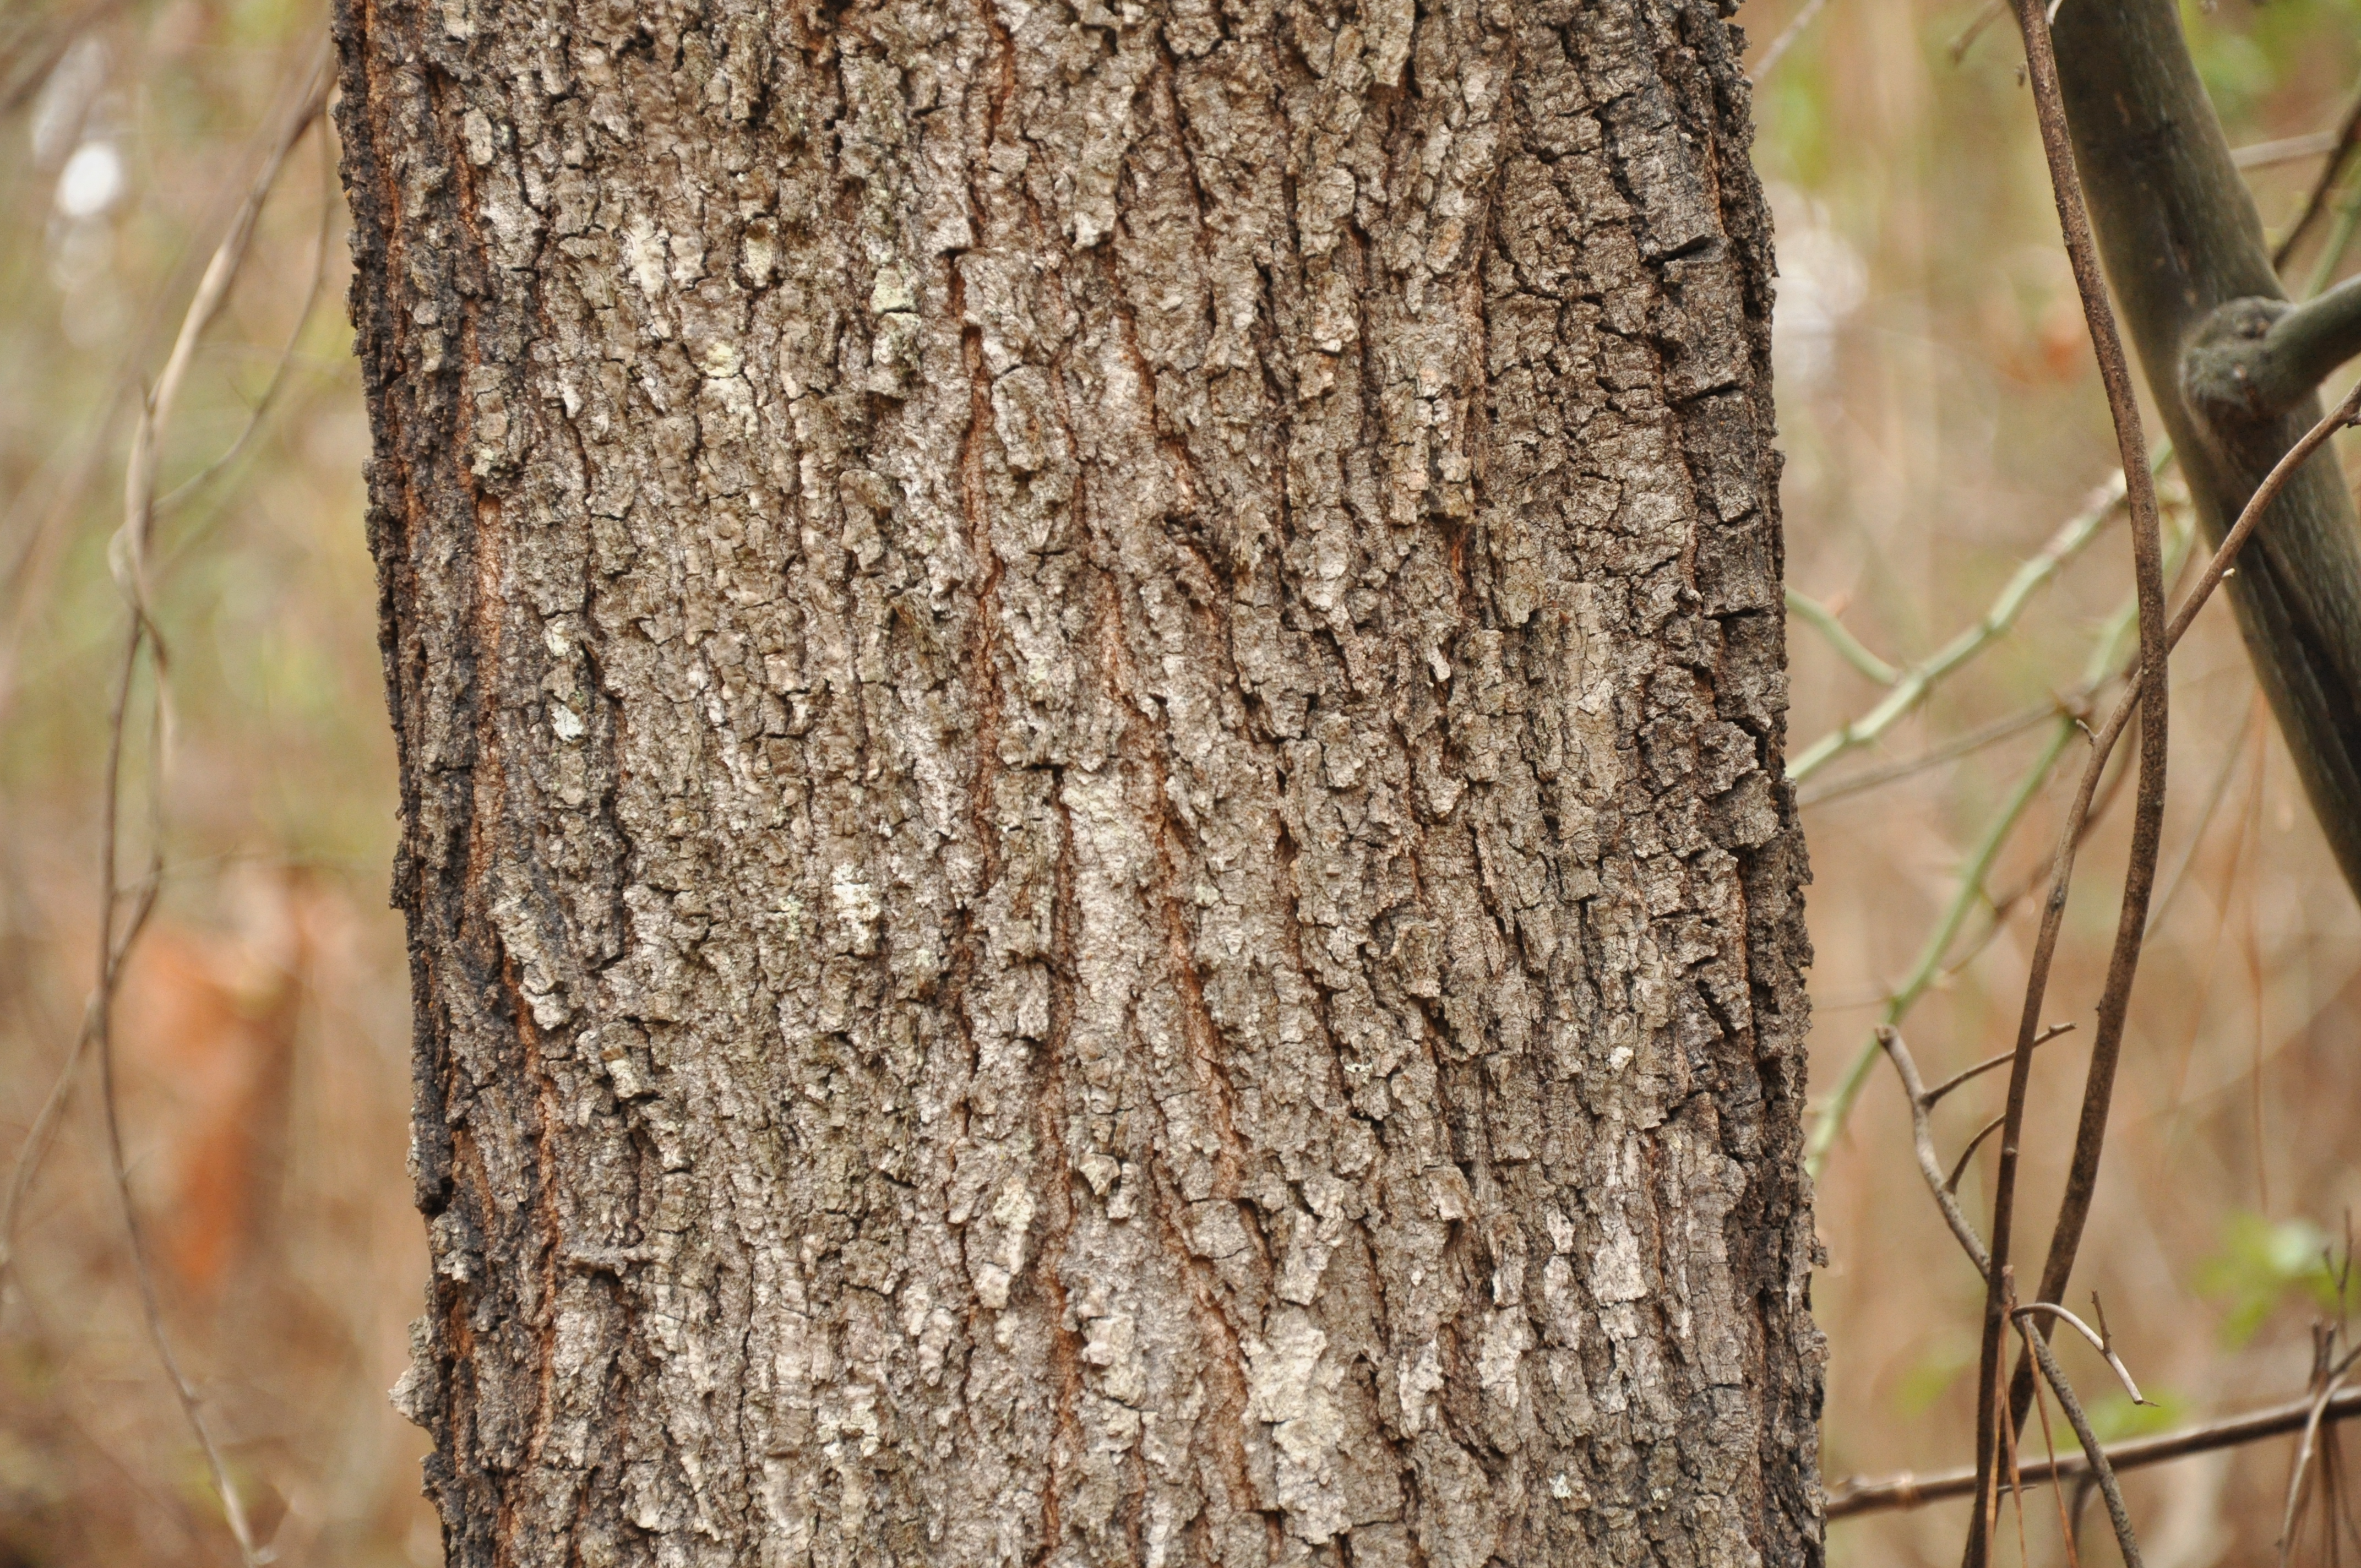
[2260, 1265]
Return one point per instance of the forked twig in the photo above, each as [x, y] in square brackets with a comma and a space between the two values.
[2100, 1342]
[1922, 1140]
[2082, 1173]
[2147, 821]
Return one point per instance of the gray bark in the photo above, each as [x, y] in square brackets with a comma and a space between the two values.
[1091, 719]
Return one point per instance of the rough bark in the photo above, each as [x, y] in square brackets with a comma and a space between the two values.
[1091, 721]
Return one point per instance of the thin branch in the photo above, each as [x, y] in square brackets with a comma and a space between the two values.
[112, 950]
[1992, 11]
[2216, 794]
[213, 290]
[139, 511]
[2340, 144]
[1922, 1142]
[2101, 1342]
[2082, 1173]
[2101, 1470]
[286, 357]
[1952, 750]
[128, 556]
[2147, 821]
[2326, 1380]
[1966, 891]
[1936, 1094]
[1960, 1166]
[1784, 41]
[2299, 1494]
[1851, 1498]
[1914, 684]
[2287, 149]
[1849, 648]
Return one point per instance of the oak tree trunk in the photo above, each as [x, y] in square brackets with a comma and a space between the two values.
[1091, 723]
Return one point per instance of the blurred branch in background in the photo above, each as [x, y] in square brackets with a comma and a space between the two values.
[1913, 685]
[2067, 717]
[128, 553]
[33, 41]
[1945, 397]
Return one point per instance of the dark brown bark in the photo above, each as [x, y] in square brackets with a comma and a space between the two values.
[1091, 714]
[2185, 255]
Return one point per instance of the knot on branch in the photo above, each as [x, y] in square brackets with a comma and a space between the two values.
[2228, 373]
[2251, 360]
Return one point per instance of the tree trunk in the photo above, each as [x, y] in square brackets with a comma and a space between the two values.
[1091, 717]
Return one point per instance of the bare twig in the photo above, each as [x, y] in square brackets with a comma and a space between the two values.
[1950, 751]
[1851, 1498]
[2214, 795]
[2340, 146]
[1965, 894]
[2101, 1470]
[129, 557]
[1784, 41]
[1935, 1095]
[2327, 1377]
[285, 361]
[1922, 1141]
[1960, 1166]
[2147, 557]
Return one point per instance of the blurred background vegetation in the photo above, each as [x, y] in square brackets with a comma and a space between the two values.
[1941, 417]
